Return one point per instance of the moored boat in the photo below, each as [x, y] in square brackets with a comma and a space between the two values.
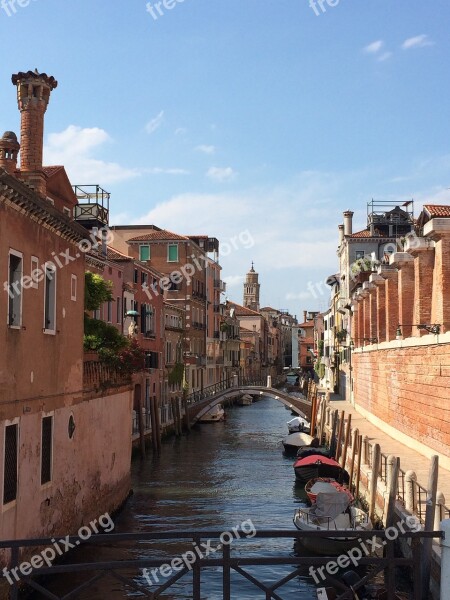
[298, 424]
[317, 465]
[214, 415]
[294, 441]
[325, 485]
[245, 400]
[332, 512]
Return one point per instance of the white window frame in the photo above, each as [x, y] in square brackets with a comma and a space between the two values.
[67, 212]
[178, 254]
[34, 267]
[45, 328]
[73, 287]
[17, 254]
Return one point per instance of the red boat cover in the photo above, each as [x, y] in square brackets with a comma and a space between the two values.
[312, 460]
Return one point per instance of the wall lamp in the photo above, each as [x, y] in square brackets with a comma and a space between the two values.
[432, 328]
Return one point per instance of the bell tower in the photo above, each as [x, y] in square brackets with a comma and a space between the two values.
[251, 290]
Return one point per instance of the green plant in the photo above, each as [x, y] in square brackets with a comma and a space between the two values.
[176, 374]
[97, 291]
[341, 335]
[362, 264]
[98, 334]
[130, 359]
[225, 326]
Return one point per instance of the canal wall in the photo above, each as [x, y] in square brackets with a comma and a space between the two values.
[358, 448]
[404, 386]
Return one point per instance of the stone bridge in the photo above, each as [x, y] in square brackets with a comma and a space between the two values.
[198, 408]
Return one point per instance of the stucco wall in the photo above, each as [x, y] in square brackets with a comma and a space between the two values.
[91, 471]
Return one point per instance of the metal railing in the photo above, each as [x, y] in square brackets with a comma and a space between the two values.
[209, 391]
[129, 574]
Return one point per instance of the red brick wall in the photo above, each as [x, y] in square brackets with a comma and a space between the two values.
[409, 389]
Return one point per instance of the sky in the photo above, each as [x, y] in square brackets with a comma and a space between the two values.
[254, 121]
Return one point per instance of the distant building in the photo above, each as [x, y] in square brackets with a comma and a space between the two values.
[251, 290]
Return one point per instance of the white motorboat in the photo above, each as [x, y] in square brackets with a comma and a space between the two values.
[298, 424]
[245, 400]
[214, 415]
[294, 441]
[332, 512]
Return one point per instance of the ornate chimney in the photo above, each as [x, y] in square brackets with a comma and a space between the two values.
[348, 222]
[33, 95]
[9, 148]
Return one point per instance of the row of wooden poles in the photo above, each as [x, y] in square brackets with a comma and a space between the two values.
[180, 422]
[336, 430]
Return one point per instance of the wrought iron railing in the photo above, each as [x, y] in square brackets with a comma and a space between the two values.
[129, 574]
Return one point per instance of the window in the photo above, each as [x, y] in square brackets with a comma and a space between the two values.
[118, 310]
[15, 289]
[67, 211]
[359, 254]
[136, 276]
[109, 309]
[147, 320]
[46, 449]
[151, 362]
[172, 253]
[73, 287]
[144, 253]
[10, 463]
[50, 299]
[144, 279]
[35, 272]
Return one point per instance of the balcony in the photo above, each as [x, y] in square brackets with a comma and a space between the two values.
[92, 209]
[97, 376]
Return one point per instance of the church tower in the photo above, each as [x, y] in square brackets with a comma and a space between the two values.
[251, 290]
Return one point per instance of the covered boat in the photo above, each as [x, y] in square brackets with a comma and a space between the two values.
[215, 415]
[298, 424]
[325, 485]
[317, 465]
[331, 512]
[245, 400]
[294, 441]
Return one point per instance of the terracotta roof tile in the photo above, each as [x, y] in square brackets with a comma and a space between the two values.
[243, 310]
[162, 235]
[437, 210]
[365, 233]
[49, 171]
[113, 254]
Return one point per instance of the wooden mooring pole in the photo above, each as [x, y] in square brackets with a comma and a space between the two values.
[374, 479]
[346, 441]
[339, 439]
[354, 450]
[358, 465]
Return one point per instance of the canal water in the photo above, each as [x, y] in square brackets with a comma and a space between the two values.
[220, 476]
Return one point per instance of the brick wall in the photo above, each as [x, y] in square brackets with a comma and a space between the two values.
[408, 388]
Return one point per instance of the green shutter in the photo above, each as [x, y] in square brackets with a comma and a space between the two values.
[173, 254]
[144, 253]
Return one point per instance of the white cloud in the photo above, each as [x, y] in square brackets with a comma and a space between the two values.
[206, 149]
[181, 131]
[298, 296]
[374, 47]
[221, 174]
[419, 41]
[384, 56]
[234, 280]
[163, 171]
[73, 148]
[155, 123]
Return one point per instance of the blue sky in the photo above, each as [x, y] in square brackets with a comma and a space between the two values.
[244, 119]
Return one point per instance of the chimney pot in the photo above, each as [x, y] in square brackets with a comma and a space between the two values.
[348, 222]
[33, 95]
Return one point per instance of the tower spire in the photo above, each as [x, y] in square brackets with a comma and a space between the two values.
[251, 289]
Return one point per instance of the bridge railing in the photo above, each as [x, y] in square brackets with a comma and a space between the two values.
[226, 384]
[209, 391]
[213, 549]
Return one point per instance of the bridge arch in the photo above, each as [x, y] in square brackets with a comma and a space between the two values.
[298, 405]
